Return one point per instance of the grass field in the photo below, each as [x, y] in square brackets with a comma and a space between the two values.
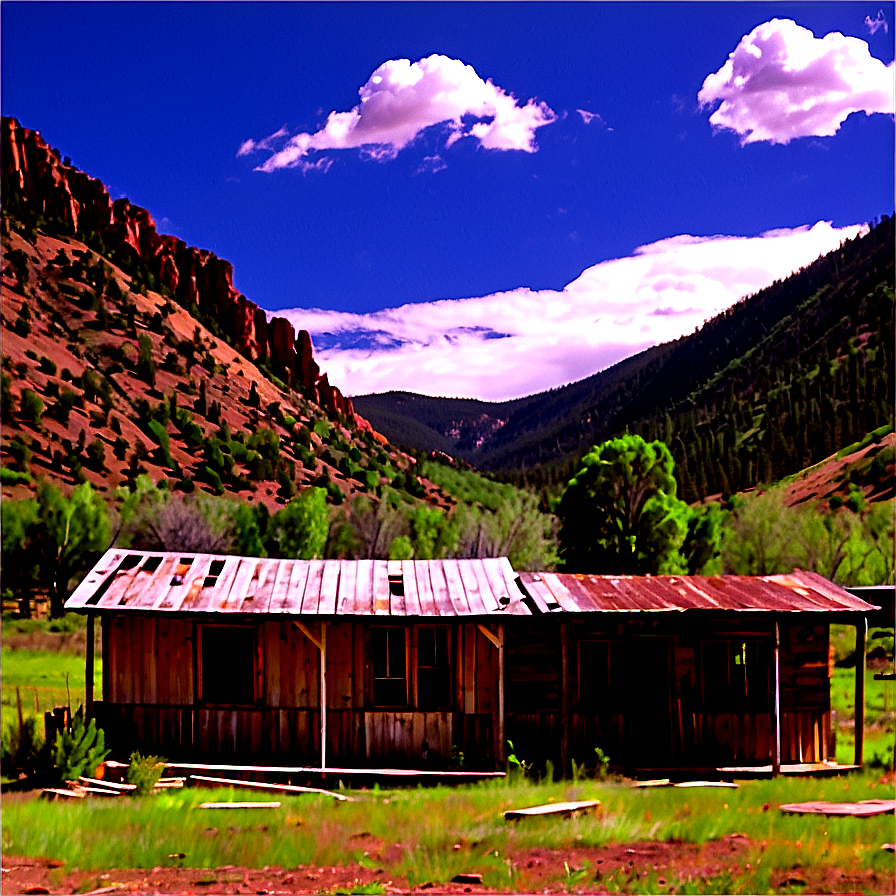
[434, 834]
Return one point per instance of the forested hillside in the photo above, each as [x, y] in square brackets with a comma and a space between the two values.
[774, 384]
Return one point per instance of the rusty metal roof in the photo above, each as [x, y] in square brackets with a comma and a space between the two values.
[204, 583]
[143, 581]
[798, 591]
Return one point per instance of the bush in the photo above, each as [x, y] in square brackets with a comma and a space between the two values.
[144, 772]
[76, 751]
[31, 406]
[22, 744]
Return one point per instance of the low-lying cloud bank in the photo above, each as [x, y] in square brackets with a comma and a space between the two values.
[781, 82]
[522, 341]
[400, 100]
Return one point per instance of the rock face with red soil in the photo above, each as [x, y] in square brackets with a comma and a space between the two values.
[36, 179]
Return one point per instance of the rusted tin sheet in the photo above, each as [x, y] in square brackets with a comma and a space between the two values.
[797, 592]
[143, 581]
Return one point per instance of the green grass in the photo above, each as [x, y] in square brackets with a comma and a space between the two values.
[40, 676]
[443, 831]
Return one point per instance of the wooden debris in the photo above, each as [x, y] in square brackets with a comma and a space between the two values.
[108, 785]
[656, 782]
[706, 784]
[565, 810]
[272, 805]
[467, 879]
[889, 847]
[259, 785]
[52, 793]
[861, 809]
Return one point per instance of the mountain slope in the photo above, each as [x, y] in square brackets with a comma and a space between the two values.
[777, 382]
[124, 351]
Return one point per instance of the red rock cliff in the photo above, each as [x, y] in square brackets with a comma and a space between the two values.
[35, 179]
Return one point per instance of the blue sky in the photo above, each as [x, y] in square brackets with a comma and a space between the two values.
[514, 164]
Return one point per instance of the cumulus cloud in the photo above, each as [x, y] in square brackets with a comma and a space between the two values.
[400, 100]
[782, 82]
[878, 22]
[523, 341]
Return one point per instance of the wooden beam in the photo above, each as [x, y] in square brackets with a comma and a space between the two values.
[495, 639]
[564, 697]
[307, 633]
[861, 643]
[564, 810]
[260, 785]
[88, 670]
[776, 703]
[501, 752]
[323, 694]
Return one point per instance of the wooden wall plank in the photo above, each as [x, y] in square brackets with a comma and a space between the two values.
[469, 703]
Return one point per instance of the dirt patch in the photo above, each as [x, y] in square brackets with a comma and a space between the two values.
[612, 868]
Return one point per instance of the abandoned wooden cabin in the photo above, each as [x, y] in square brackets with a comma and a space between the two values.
[408, 664]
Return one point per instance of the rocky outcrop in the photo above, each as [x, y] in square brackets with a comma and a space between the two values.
[37, 182]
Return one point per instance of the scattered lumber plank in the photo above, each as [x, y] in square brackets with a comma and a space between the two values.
[52, 793]
[272, 805]
[564, 810]
[706, 784]
[656, 782]
[260, 785]
[109, 785]
[860, 809]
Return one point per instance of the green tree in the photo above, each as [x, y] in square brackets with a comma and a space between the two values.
[620, 513]
[66, 537]
[146, 365]
[299, 530]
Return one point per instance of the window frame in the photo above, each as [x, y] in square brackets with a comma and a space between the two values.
[412, 700]
[756, 654]
[201, 628]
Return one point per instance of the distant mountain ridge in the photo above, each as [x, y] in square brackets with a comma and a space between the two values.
[778, 381]
[38, 183]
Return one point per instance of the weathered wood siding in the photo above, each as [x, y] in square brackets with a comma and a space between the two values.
[152, 700]
[657, 714]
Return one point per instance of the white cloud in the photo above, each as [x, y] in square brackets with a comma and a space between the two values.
[522, 341]
[781, 82]
[403, 98]
[588, 117]
[878, 22]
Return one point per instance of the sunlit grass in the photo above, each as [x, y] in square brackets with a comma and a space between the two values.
[432, 835]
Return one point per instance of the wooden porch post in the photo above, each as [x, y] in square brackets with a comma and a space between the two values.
[564, 697]
[861, 641]
[88, 670]
[776, 703]
[323, 694]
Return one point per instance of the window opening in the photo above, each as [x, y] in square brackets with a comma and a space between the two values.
[152, 564]
[736, 674]
[433, 668]
[396, 585]
[227, 664]
[388, 647]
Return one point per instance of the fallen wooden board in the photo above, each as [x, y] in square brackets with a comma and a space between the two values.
[259, 785]
[51, 793]
[861, 809]
[109, 785]
[272, 805]
[656, 782]
[706, 784]
[563, 809]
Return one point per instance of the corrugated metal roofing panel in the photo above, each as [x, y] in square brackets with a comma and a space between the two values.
[799, 591]
[204, 583]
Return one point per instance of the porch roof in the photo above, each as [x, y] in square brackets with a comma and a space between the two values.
[799, 591]
[168, 582]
